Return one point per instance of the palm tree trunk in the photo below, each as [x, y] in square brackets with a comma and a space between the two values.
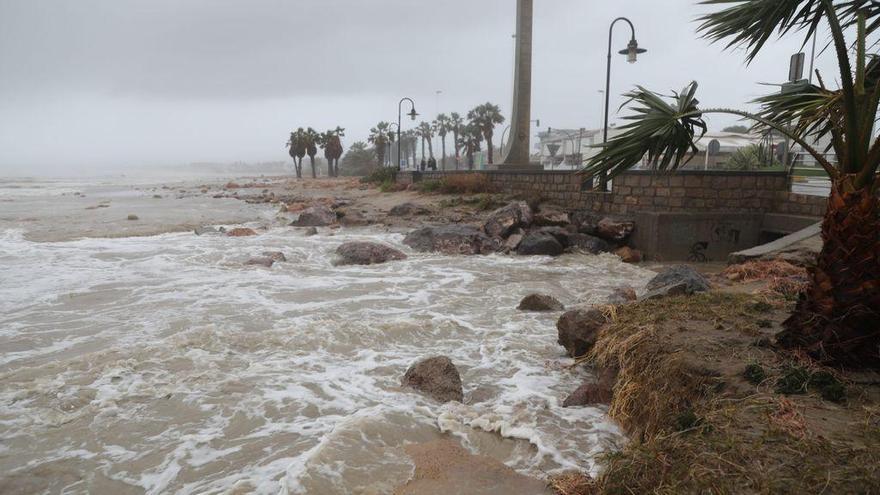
[491, 149]
[299, 167]
[430, 148]
[443, 144]
[837, 320]
[380, 150]
[423, 147]
[312, 162]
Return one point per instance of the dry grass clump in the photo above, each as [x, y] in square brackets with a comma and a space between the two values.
[474, 183]
[703, 421]
[572, 483]
[754, 270]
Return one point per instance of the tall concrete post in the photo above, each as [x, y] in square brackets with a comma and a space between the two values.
[520, 122]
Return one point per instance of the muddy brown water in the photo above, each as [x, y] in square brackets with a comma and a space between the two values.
[137, 363]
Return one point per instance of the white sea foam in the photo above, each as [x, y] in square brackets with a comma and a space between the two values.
[166, 364]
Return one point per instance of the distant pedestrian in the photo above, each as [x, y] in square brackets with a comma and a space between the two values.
[432, 163]
[423, 165]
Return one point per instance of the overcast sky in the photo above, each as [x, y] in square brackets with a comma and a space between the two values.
[99, 84]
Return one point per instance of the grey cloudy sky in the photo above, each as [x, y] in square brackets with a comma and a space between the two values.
[97, 84]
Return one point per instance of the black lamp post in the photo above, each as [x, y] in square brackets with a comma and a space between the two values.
[412, 115]
[632, 52]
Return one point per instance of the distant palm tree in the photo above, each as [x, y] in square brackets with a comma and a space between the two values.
[456, 123]
[443, 126]
[297, 145]
[470, 137]
[311, 138]
[426, 131]
[332, 144]
[380, 136]
[837, 320]
[486, 117]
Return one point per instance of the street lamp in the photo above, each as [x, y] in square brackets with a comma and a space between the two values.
[632, 52]
[412, 114]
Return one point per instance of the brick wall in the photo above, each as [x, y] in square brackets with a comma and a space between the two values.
[687, 191]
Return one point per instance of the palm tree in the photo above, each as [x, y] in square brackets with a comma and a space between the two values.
[311, 139]
[297, 150]
[442, 127]
[486, 117]
[332, 146]
[456, 123]
[426, 131]
[470, 135]
[836, 321]
[380, 136]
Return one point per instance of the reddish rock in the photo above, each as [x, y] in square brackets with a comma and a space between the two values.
[578, 330]
[614, 229]
[241, 232]
[551, 216]
[629, 255]
[503, 221]
[599, 391]
[275, 255]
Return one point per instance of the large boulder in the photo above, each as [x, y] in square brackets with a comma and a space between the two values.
[513, 240]
[562, 235]
[615, 230]
[599, 391]
[587, 243]
[539, 243]
[578, 330]
[551, 216]
[503, 221]
[350, 217]
[585, 222]
[366, 253]
[407, 210]
[315, 216]
[540, 302]
[676, 280]
[451, 239]
[435, 377]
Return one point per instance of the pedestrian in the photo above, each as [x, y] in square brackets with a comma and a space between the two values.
[423, 165]
[432, 163]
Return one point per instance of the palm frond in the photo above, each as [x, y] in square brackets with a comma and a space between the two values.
[661, 131]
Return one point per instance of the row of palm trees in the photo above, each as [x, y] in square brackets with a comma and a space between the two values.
[467, 136]
[307, 141]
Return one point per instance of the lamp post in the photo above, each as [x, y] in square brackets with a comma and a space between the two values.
[632, 52]
[412, 115]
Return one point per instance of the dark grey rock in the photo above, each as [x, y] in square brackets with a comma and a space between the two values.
[503, 221]
[622, 295]
[261, 261]
[206, 230]
[551, 216]
[588, 244]
[408, 210]
[540, 302]
[676, 280]
[435, 377]
[451, 239]
[539, 243]
[366, 253]
[578, 330]
[310, 232]
[600, 391]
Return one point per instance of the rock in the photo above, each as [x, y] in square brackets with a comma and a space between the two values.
[628, 254]
[513, 240]
[587, 243]
[310, 232]
[352, 218]
[241, 232]
[232, 185]
[539, 243]
[594, 392]
[366, 253]
[559, 233]
[275, 255]
[315, 216]
[157, 196]
[578, 330]
[585, 222]
[451, 239]
[540, 302]
[503, 221]
[261, 261]
[407, 210]
[435, 377]
[133, 217]
[551, 216]
[676, 280]
[614, 229]
[622, 295]
[206, 230]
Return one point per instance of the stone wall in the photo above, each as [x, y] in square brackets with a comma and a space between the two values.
[686, 191]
